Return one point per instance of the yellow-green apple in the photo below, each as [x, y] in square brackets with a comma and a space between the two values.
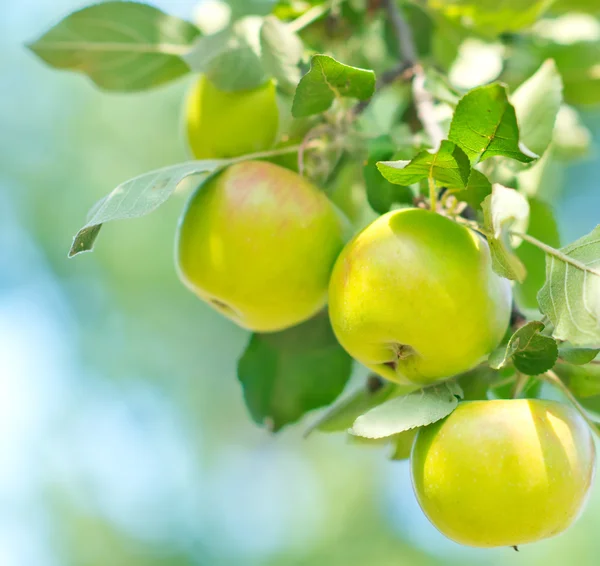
[414, 298]
[258, 243]
[223, 124]
[503, 472]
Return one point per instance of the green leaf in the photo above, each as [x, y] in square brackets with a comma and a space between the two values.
[231, 58]
[121, 46]
[438, 85]
[577, 356]
[583, 381]
[570, 298]
[137, 197]
[241, 8]
[449, 166]
[485, 125]
[491, 17]
[403, 443]
[382, 194]
[543, 226]
[477, 189]
[537, 102]
[327, 80]
[286, 374]
[505, 210]
[531, 352]
[281, 52]
[403, 413]
[342, 415]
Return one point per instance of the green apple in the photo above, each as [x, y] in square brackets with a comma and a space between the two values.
[223, 124]
[414, 298]
[505, 472]
[258, 243]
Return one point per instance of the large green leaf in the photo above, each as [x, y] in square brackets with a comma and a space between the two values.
[327, 80]
[477, 189]
[231, 58]
[286, 374]
[543, 226]
[448, 165]
[484, 125]
[505, 210]
[570, 297]
[531, 352]
[406, 412]
[583, 381]
[121, 46]
[577, 356]
[137, 197]
[491, 17]
[537, 102]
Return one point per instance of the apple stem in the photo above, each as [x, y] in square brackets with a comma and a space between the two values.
[552, 378]
[432, 194]
[519, 385]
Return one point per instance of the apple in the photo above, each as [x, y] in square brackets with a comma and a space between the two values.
[504, 472]
[223, 124]
[258, 243]
[414, 298]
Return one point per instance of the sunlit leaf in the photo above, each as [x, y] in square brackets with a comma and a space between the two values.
[121, 46]
[485, 125]
[570, 297]
[327, 80]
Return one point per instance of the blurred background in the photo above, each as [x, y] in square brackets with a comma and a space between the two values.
[124, 439]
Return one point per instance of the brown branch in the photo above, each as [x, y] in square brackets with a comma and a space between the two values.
[408, 56]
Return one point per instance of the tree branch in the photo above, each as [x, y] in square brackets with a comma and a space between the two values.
[408, 56]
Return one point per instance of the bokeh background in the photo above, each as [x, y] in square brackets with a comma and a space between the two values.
[124, 439]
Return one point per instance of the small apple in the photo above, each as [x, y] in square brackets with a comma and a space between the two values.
[414, 298]
[258, 243]
[223, 124]
[504, 472]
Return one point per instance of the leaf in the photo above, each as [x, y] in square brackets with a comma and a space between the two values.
[286, 374]
[137, 197]
[484, 125]
[543, 226]
[327, 80]
[490, 16]
[531, 352]
[241, 8]
[577, 356]
[505, 210]
[403, 443]
[572, 139]
[382, 194]
[583, 381]
[477, 189]
[438, 85]
[570, 298]
[281, 52]
[403, 413]
[449, 166]
[230, 58]
[121, 46]
[342, 415]
[537, 102]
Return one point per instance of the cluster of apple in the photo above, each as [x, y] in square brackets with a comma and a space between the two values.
[413, 297]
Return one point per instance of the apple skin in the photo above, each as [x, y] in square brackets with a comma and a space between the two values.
[414, 298]
[258, 243]
[504, 472]
[229, 124]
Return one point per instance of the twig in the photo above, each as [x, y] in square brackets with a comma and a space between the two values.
[312, 15]
[556, 253]
[408, 54]
[552, 378]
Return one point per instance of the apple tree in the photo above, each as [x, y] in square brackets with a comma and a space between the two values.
[375, 182]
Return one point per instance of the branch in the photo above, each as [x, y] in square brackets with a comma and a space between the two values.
[556, 253]
[408, 55]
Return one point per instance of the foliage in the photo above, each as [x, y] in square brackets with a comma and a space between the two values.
[478, 156]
